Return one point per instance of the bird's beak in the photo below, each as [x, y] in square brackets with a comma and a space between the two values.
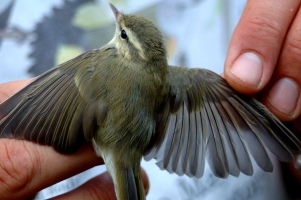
[115, 11]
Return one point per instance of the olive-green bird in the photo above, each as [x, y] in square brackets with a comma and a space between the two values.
[130, 103]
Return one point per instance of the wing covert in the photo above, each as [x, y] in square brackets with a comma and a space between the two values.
[205, 119]
[50, 110]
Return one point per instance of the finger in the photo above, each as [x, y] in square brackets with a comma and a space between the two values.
[283, 94]
[9, 89]
[256, 43]
[26, 168]
[100, 187]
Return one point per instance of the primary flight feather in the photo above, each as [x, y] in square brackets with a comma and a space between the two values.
[130, 103]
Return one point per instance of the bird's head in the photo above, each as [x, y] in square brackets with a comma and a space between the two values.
[137, 38]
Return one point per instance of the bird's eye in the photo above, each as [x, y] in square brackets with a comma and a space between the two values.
[123, 35]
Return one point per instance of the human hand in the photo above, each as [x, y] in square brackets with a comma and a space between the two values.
[265, 56]
[26, 167]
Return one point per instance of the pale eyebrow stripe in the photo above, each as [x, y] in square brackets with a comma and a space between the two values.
[134, 40]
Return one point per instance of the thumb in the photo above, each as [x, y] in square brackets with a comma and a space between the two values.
[256, 44]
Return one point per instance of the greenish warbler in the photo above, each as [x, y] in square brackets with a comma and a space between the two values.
[130, 103]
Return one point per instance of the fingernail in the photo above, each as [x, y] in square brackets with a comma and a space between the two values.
[284, 95]
[248, 68]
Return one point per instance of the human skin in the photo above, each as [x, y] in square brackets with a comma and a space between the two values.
[26, 167]
[264, 58]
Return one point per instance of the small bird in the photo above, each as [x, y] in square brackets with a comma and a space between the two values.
[127, 100]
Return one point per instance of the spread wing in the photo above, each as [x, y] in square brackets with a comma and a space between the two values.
[53, 109]
[205, 118]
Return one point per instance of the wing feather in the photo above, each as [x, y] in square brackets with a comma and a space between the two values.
[51, 109]
[205, 118]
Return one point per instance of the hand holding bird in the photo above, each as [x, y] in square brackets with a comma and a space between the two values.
[130, 103]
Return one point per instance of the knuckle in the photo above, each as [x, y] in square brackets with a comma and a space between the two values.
[16, 167]
[268, 28]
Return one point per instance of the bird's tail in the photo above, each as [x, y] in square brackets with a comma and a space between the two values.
[127, 180]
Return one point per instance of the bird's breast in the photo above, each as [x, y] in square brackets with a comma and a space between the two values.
[133, 98]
